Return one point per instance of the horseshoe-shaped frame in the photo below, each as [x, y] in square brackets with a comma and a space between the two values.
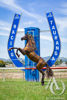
[55, 36]
[56, 39]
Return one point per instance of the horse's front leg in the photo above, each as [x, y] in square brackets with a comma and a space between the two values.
[18, 49]
[22, 51]
[17, 53]
[12, 48]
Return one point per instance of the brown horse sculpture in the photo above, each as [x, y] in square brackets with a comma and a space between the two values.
[29, 50]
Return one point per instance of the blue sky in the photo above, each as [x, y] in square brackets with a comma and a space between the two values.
[34, 15]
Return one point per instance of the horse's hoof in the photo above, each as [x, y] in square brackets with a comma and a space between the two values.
[42, 83]
[9, 49]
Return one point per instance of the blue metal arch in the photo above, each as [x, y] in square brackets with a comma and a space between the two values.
[55, 36]
[56, 39]
[12, 39]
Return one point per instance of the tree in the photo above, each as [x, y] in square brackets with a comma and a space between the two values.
[2, 63]
[57, 62]
[66, 62]
[61, 61]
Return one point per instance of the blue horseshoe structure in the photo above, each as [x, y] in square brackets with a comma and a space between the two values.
[11, 40]
[55, 36]
[56, 39]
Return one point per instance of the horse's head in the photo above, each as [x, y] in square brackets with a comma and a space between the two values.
[30, 40]
[26, 37]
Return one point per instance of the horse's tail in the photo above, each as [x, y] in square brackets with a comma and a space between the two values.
[12, 48]
[49, 72]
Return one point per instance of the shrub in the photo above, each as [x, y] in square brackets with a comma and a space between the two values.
[2, 63]
[66, 62]
[57, 62]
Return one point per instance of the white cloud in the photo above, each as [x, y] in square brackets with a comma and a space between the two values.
[62, 23]
[42, 37]
[49, 38]
[20, 30]
[3, 34]
[11, 4]
[64, 4]
[4, 26]
[28, 23]
[5, 31]
[63, 9]
[64, 40]
[3, 23]
[46, 37]
[61, 20]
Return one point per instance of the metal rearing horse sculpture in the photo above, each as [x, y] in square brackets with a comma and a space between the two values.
[29, 50]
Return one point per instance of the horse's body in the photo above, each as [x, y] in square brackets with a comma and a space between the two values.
[29, 50]
[33, 56]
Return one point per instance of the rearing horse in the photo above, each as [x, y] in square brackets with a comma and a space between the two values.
[29, 50]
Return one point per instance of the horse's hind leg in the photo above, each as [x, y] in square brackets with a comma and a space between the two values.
[49, 72]
[42, 80]
[39, 67]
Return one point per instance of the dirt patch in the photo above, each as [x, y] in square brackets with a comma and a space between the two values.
[12, 75]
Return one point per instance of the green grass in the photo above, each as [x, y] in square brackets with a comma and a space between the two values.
[23, 90]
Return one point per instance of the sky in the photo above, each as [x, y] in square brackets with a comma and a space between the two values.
[33, 15]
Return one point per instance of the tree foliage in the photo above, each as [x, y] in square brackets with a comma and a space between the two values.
[66, 62]
[2, 63]
[58, 62]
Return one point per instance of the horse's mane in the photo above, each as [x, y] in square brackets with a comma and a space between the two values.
[32, 41]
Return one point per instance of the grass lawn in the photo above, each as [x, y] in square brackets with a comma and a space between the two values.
[23, 90]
